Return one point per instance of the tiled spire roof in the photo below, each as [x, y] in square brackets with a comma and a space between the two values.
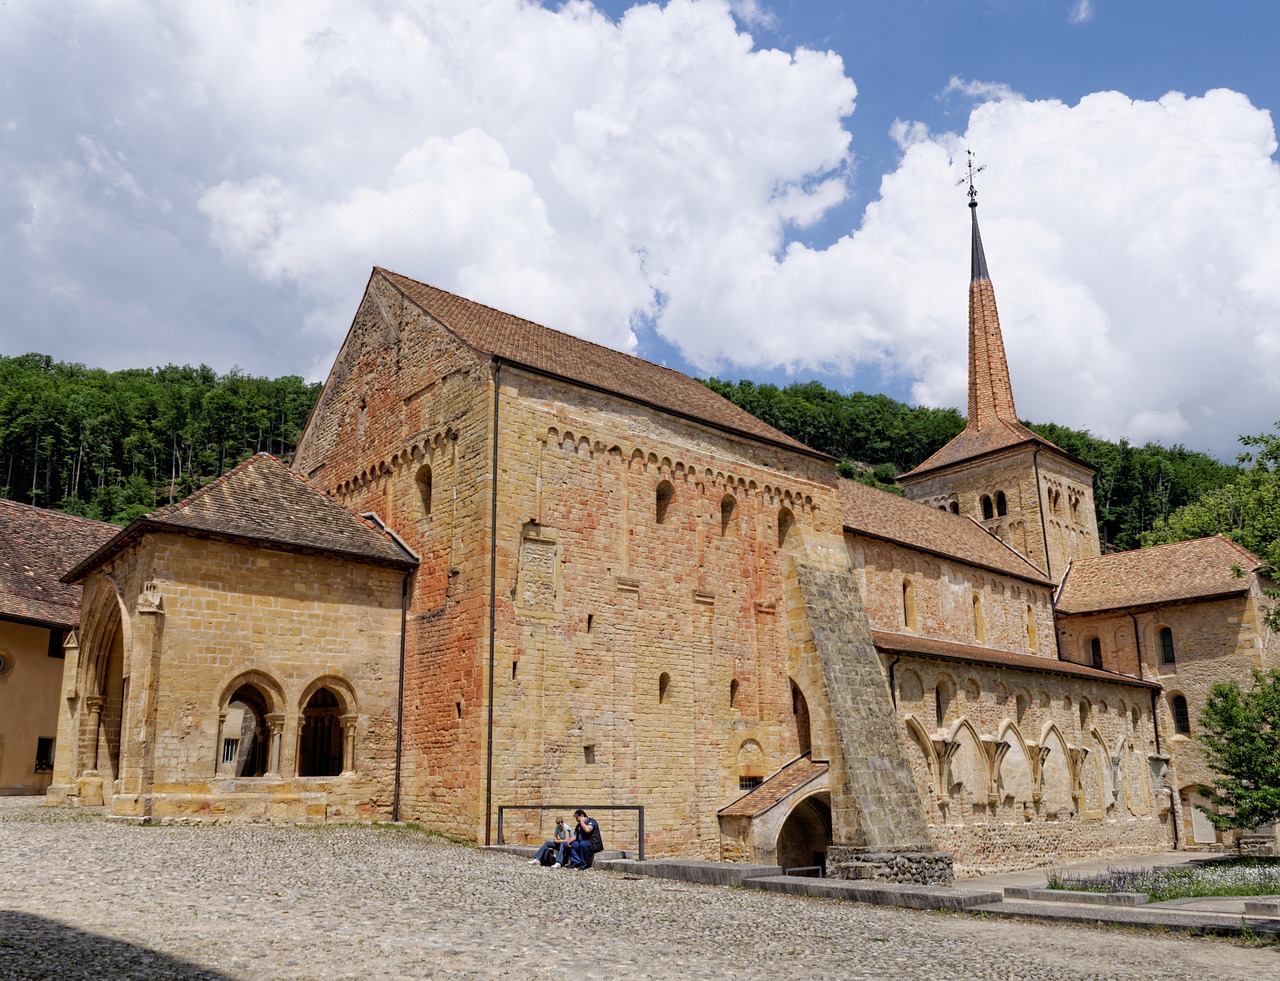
[993, 421]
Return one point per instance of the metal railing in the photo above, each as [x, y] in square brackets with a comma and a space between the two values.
[589, 808]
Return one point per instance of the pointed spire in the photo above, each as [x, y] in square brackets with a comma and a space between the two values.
[990, 390]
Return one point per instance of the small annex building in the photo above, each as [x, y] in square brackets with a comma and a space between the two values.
[238, 657]
[37, 615]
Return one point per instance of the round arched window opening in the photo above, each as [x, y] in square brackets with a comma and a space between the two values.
[733, 693]
[1181, 716]
[662, 501]
[786, 520]
[320, 745]
[1002, 504]
[664, 684]
[423, 482]
[987, 511]
[728, 504]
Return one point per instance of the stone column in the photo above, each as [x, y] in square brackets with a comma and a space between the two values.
[348, 744]
[275, 725]
[94, 705]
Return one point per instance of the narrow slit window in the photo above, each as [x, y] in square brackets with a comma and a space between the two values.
[662, 504]
[1002, 504]
[1095, 652]
[987, 511]
[1181, 716]
[1167, 655]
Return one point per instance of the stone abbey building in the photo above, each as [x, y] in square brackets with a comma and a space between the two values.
[511, 569]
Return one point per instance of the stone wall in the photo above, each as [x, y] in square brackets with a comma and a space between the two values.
[942, 595]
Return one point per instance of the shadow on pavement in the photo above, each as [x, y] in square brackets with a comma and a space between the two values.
[36, 947]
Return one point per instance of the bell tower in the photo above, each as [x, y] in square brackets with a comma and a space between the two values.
[1031, 494]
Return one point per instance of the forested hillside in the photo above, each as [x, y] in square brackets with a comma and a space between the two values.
[113, 445]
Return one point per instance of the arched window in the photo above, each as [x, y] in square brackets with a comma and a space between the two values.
[664, 682]
[1181, 717]
[785, 521]
[1095, 652]
[727, 506]
[1002, 505]
[320, 744]
[1167, 656]
[1031, 628]
[733, 693]
[245, 747]
[1085, 709]
[979, 624]
[800, 710]
[666, 494]
[423, 482]
[941, 702]
[1021, 704]
[908, 604]
[955, 507]
[987, 511]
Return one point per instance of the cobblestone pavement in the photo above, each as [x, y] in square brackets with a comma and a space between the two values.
[84, 898]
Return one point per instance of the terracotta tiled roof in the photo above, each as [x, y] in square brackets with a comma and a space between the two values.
[262, 502]
[942, 650]
[1172, 573]
[879, 514]
[36, 548]
[791, 777]
[993, 420]
[552, 352]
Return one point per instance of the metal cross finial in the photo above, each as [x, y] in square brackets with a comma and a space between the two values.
[968, 178]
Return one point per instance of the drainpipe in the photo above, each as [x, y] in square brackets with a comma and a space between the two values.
[893, 688]
[493, 601]
[1044, 528]
[404, 618]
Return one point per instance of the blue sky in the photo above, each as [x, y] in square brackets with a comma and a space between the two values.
[749, 189]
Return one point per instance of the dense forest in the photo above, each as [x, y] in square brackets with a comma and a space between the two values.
[114, 445]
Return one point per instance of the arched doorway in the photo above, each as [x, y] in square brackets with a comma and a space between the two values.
[320, 746]
[103, 686]
[806, 833]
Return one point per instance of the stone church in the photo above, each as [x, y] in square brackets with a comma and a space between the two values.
[511, 572]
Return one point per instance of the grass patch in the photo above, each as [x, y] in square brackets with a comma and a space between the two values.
[1244, 876]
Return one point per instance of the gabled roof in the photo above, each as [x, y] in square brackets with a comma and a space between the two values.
[551, 352]
[1179, 572]
[944, 650]
[37, 547]
[879, 514]
[789, 779]
[261, 502]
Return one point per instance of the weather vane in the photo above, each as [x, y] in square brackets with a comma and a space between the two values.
[968, 178]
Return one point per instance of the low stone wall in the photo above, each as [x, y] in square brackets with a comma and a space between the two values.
[1009, 847]
[920, 868]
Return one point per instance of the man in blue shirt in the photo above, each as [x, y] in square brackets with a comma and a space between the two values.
[586, 841]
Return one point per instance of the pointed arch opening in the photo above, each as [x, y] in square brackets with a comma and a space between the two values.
[800, 713]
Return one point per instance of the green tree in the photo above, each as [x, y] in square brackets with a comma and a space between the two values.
[1240, 734]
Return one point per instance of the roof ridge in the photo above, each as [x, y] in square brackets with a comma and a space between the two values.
[1145, 549]
[534, 323]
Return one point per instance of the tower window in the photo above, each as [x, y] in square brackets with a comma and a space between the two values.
[987, 511]
[785, 520]
[1181, 717]
[908, 604]
[955, 507]
[1095, 652]
[1167, 656]
[664, 683]
[733, 693]
[1002, 504]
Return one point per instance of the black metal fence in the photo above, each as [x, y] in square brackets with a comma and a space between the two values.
[610, 835]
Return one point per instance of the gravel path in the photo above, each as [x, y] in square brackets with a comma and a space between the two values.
[84, 898]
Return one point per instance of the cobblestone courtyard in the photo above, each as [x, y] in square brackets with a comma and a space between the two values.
[84, 898]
